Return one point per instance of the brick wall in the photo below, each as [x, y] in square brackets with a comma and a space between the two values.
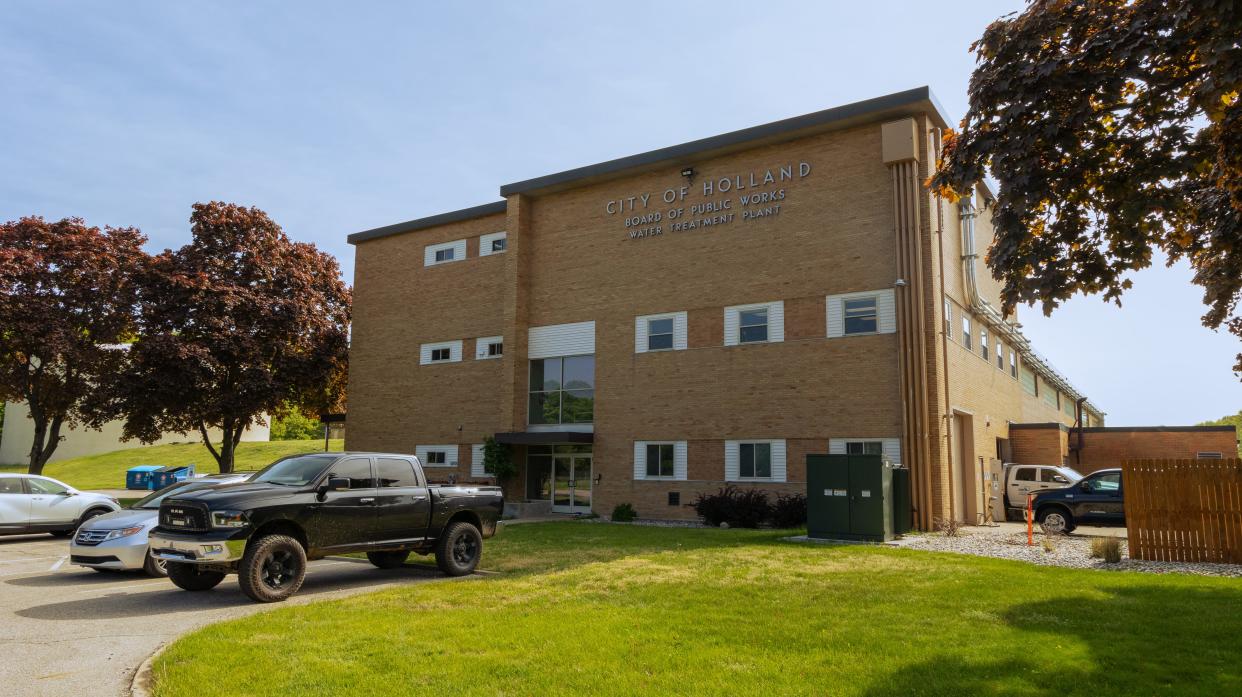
[1108, 447]
[1039, 444]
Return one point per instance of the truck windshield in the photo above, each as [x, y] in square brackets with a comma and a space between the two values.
[295, 471]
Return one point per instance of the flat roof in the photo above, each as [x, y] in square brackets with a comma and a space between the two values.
[919, 100]
[430, 221]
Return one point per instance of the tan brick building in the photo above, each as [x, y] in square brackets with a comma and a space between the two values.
[649, 328]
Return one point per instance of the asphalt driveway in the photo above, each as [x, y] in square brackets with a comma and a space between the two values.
[66, 630]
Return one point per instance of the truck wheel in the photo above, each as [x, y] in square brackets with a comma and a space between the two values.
[458, 550]
[189, 577]
[156, 568]
[272, 569]
[1055, 521]
[387, 560]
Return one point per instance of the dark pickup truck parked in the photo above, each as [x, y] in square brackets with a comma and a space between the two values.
[1097, 499]
[306, 507]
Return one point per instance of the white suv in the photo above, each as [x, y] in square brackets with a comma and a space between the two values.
[30, 504]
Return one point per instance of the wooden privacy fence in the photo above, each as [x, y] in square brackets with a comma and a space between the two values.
[1184, 510]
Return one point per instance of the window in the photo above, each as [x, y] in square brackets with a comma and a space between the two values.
[1000, 355]
[1028, 380]
[1067, 405]
[948, 318]
[1051, 476]
[440, 352]
[489, 347]
[864, 447]
[444, 253]
[1210, 455]
[966, 331]
[660, 334]
[437, 458]
[393, 473]
[860, 316]
[493, 243]
[1050, 395]
[1013, 364]
[11, 485]
[45, 486]
[753, 325]
[983, 342]
[495, 349]
[1025, 474]
[356, 469]
[755, 460]
[1109, 484]
[659, 460]
[562, 390]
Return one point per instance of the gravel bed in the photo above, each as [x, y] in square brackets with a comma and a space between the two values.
[1068, 550]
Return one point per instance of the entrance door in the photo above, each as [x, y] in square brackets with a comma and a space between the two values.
[571, 483]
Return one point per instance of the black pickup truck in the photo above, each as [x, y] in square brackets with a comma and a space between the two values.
[306, 507]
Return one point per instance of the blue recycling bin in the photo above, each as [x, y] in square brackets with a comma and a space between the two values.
[167, 476]
[140, 477]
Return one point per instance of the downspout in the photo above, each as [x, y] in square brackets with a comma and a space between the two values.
[947, 416]
[1078, 426]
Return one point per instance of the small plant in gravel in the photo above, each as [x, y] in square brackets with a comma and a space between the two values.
[1049, 544]
[948, 527]
[624, 513]
[1106, 548]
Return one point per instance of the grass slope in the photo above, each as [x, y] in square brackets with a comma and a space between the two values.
[107, 470]
[621, 610]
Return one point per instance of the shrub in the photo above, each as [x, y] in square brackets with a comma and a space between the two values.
[624, 513]
[1106, 548]
[789, 511]
[498, 459]
[740, 508]
[949, 527]
[1049, 544]
[295, 426]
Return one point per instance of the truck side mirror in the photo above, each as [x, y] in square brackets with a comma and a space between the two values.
[338, 483]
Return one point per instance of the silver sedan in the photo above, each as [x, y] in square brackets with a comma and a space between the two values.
[118, 541]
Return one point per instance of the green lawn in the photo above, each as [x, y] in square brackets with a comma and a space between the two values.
[107, 470]
[596, 609]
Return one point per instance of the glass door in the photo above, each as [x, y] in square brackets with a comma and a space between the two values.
[571, 483]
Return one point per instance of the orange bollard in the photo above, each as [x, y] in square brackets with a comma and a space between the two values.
[1030, 520]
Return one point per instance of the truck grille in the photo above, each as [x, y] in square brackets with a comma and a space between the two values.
[90, 538]
[184, 516]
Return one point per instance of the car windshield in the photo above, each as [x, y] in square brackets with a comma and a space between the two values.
[295, 471]
[1073, 474]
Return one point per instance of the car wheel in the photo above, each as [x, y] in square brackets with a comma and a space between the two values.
[272, 569]
[156, 568]
[189, 577]
[459, 549]
[387, 560]
[1055, 521]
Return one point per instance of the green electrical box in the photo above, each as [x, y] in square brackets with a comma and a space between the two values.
[849, 497]
[902, 509]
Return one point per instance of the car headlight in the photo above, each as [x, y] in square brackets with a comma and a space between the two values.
[228, 519]
[123, 532]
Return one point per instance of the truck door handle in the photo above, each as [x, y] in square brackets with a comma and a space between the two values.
[366, 500]
[418, 497]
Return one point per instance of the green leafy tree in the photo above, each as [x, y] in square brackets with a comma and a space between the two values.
[294, 424]
[1235, 421]
[498, 459]
[1113, 128]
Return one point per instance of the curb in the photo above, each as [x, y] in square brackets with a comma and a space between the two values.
[140, 685]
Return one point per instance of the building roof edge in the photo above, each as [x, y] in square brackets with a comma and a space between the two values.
[430, 221]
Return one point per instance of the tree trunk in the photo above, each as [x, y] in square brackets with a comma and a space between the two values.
[46, 438]
[228, 446]
[202, 429]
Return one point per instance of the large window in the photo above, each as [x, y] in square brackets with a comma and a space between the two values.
[983, 342]
[659, 459]
[755, 460]
[864, 447]
[562, 390]
[1000, 355]
[860, 316]
[967, 331]
[660, 334]
[753, 325]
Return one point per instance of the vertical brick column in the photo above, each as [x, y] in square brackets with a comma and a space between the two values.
[516, 313]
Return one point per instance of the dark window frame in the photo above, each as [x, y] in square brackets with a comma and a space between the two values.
[860, 318]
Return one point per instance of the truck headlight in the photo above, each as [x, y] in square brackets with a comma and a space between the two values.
[228, 519]
[123, 532]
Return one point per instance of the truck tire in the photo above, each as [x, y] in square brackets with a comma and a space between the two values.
[458, 550]
[387, 560]
[272, 569]
[1055, 520]
[189, 577]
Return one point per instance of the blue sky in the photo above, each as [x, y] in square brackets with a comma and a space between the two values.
[337, 117]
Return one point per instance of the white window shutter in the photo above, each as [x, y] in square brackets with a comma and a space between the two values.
[836, 446]
[731, 461]
[731, 321]
[778, 461]
[836, 316]
[640, 459]
[886, 312]
[679, 460]
[776, 321]
[640, 335]
[485, 243]
[476, 460]
[892, 449]
[680, 331]
[557, 340]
